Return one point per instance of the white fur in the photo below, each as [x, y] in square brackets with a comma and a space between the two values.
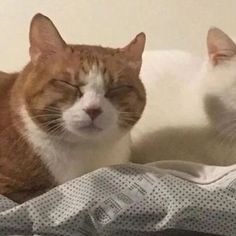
[175, 124]
[75, 118]
[85, 151]
[173, 82]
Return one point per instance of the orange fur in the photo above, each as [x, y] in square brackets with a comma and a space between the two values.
[22, 173]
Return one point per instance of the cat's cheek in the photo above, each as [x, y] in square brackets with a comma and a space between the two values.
[74, 119]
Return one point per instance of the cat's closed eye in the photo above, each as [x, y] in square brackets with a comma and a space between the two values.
[66, 84]
[119, 90]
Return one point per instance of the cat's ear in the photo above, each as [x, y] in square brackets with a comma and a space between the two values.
[134, 50]
[220, 46]
[45, 40]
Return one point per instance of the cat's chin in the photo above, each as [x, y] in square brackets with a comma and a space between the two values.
[93, 135]
[85, 135]
[90, 129]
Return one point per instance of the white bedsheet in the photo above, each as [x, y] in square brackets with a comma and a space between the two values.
[131, 200]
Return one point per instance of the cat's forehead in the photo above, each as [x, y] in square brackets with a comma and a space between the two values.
[86, 63]
[95, 74]
[84, 71]
[86, 56]
[90, 50]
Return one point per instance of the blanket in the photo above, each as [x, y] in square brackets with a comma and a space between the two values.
[162, 198]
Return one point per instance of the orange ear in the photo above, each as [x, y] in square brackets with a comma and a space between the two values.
[220, 46]
[44, 37]
[134, 50]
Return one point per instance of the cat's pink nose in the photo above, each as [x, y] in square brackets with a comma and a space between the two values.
[93, 112]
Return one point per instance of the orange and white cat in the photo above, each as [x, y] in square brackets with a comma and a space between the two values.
[68, 112]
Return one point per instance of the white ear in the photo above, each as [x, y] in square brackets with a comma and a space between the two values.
[134, 50]
[44, 38]
[220, 46]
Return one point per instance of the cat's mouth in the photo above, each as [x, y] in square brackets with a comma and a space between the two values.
[91, 128]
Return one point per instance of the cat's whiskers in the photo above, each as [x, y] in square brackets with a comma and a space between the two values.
[129, 118]
[126, 122]
[228, 121]
[228, 134]
[128, 113]
[50, 110]
[227, 127]
[53, 130]
[58, 131]
[56, 121]
[50, 116]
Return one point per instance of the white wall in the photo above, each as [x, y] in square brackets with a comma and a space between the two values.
[178, 24]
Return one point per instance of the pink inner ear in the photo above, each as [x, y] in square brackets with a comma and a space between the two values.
[44, 38]
[212, 49]
[34, 54]
[220, 46]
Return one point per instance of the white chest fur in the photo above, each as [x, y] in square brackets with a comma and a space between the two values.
[66, 161]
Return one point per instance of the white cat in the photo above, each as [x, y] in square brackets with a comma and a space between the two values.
[191, 105]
